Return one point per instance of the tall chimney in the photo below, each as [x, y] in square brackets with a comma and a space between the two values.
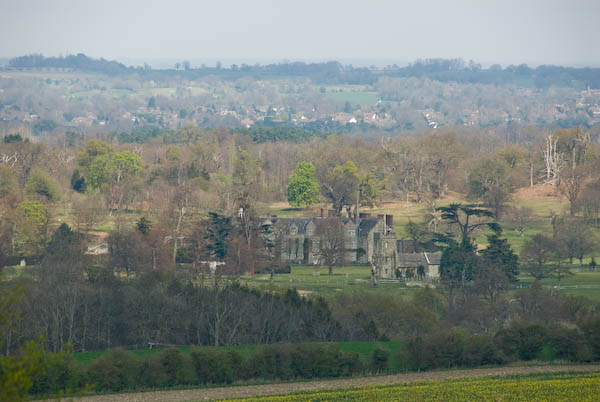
[389, 220]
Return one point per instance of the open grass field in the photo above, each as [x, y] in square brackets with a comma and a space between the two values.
[355, 97]
[309, 280]
[313, 280]
[538, 387]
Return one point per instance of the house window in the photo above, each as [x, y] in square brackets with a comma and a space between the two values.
[351, 232]
[293, 230]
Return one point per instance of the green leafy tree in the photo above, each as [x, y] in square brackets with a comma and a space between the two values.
[31, 229]
[42, 185]
[303, 188]
[93, 149]
[114, 168]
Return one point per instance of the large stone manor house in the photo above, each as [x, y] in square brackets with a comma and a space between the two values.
[367, 240]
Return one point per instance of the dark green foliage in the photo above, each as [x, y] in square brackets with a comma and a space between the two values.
[521, 342]
[114, 372]
[57, 373]
[591, 332]
[77, 181]
[173, 365]
[261, 134]
[44, 126]
[217, 233]
[214, 366]
[379, 360]
[12, 138]
[143, 225]
[500, 254]
[457, 264]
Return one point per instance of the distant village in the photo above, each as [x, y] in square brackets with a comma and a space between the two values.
[533, 107]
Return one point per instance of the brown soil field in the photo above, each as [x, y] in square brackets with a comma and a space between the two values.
[538, 192]
[248, 391]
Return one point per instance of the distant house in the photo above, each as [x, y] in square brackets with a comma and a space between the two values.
[367, 240]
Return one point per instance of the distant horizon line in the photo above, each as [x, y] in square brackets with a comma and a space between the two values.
[169, 61]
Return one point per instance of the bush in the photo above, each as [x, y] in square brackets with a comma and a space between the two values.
[57, 374]
[115, 371]
[174, 367]
[316, 360]
[216, 366]
[521, 342]
[379, 359]
[152, 375]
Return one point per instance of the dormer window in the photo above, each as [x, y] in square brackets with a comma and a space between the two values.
[293, 230]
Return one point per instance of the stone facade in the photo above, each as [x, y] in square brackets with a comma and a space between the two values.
[367, 240]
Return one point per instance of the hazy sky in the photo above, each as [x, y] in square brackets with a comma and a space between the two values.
[506, 32]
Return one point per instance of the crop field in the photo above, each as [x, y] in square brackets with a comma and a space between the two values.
[545, 387]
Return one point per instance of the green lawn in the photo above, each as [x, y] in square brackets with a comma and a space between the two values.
[582, 283]
[315, 280]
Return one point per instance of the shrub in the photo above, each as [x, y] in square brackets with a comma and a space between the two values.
[115, 371]
[173, 365]
[216, 366]
[379, 359]
[58, 374]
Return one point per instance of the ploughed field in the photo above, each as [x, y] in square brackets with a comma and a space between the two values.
[535, 383]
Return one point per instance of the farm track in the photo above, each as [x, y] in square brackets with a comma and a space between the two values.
[247, 391]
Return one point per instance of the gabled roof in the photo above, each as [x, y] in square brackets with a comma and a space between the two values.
[405, 246]
[300, 223]
[433, 258]
[367, 225]
[411, 260]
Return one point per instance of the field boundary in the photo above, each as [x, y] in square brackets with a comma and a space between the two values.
[247, 391]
